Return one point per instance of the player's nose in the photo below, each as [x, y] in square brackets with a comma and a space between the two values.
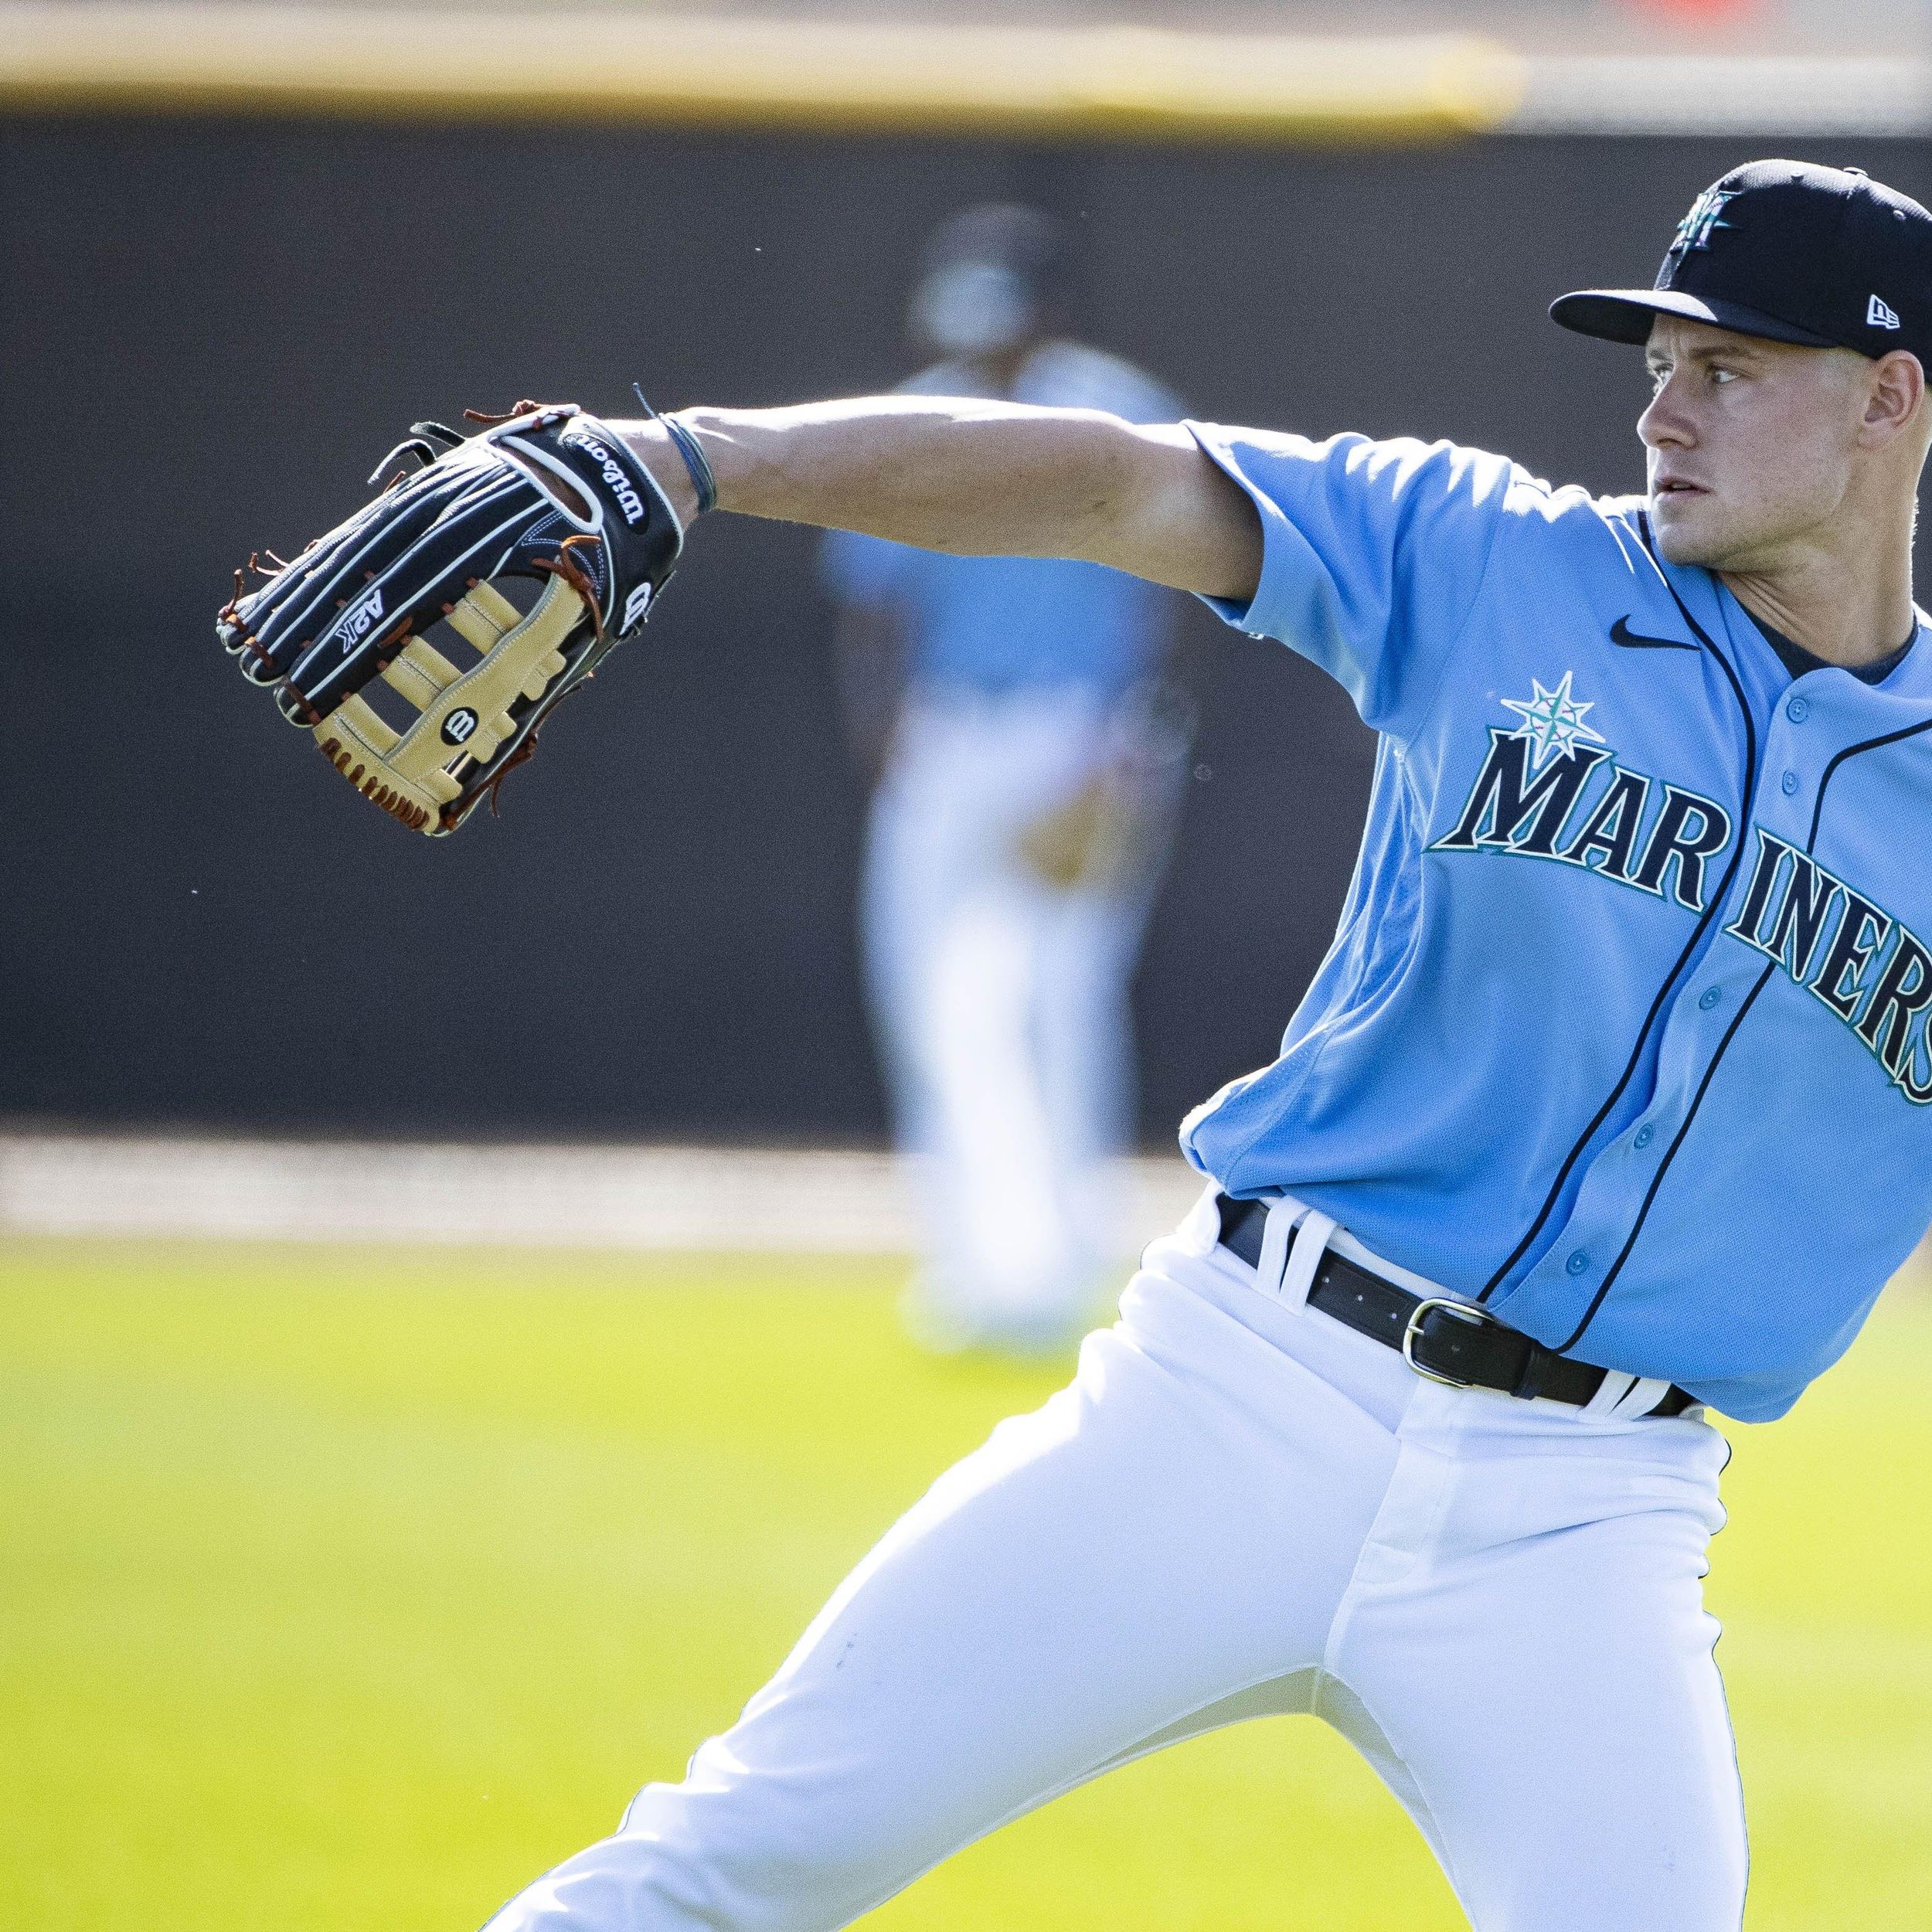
[1664, 424]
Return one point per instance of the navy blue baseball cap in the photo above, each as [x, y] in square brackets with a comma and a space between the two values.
[1791, 251]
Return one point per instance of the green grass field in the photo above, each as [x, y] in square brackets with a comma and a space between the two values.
[348, 1589]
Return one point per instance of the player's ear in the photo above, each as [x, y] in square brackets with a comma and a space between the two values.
[1894, 397]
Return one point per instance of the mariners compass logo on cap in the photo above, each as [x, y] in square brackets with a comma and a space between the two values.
[1706, 212]
[1789, 251]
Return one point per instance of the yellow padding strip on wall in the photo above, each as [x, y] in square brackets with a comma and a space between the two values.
[562, 66]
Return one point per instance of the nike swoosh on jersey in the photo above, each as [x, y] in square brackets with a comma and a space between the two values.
[1621, 633]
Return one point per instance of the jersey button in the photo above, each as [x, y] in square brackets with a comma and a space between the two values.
[1645, 1135]
[1710, 997]
[1798, 709]
[1578, 1262]
[1789, 782]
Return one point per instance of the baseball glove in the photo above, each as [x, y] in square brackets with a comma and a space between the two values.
[535, 547]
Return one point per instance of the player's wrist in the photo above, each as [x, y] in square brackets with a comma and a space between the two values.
[697, 464]
[655, 447]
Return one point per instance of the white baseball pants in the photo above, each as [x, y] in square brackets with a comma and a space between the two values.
[1000, 1004]
[1239, 1507]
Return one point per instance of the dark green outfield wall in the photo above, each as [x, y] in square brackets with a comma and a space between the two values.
[208, 332]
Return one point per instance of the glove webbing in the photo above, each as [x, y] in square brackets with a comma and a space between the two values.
[464, 715]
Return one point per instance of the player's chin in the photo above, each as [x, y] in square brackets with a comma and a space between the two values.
[1690, 526]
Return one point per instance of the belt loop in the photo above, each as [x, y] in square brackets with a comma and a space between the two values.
[1311, 1243]
[1276, 1232]
[1643, 1395]
[1610, 1393]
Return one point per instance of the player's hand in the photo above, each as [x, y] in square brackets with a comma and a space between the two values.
[548, 505]
[649, 442]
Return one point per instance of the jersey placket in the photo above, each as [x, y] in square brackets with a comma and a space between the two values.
[1583, 1259]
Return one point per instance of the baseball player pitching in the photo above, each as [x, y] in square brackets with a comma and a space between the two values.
[1609, 1103]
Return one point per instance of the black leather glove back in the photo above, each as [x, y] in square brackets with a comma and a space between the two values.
[548, 494]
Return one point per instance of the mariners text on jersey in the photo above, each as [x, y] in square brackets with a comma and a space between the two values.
[1625, 1027]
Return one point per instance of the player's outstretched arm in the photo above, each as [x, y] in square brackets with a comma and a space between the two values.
[978, 479]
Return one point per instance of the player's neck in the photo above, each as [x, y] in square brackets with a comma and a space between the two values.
[1845, 596]
[1000, 370]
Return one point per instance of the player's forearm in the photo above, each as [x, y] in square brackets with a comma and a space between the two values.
[979, 478]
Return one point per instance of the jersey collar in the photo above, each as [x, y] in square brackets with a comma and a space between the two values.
[1721, 616]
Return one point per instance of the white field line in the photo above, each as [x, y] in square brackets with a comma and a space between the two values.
[603, 1196]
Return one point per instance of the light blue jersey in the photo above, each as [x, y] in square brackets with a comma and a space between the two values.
[991, 625]
[1624, 1027]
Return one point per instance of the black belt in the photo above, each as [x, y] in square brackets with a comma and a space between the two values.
[1457, 1342]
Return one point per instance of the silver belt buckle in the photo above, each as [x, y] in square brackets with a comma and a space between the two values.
[1472, 1312]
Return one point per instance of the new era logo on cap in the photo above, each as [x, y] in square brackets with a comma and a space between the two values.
[1879, 315]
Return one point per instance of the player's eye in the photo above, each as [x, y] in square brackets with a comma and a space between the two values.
[1720, 374]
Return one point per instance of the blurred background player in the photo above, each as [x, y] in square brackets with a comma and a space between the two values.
[1011, 714]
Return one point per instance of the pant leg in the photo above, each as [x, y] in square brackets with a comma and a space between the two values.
[1136, 1559]
[951, 939]
[960, 936]
[1084, 1032]
[1093, 940]
[1533, 1672]
[1007, 1237]
[910, 873]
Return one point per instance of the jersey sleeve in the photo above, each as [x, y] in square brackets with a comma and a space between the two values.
[867, 571]
[1373, 555]
[1148, 402]
[1135, 395]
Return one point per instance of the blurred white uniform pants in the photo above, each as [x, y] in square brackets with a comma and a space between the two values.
[1000, 1000]
[1239, 1507]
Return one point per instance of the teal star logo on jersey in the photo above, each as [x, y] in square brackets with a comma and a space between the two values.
[1694, 231]
[1553, 722]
